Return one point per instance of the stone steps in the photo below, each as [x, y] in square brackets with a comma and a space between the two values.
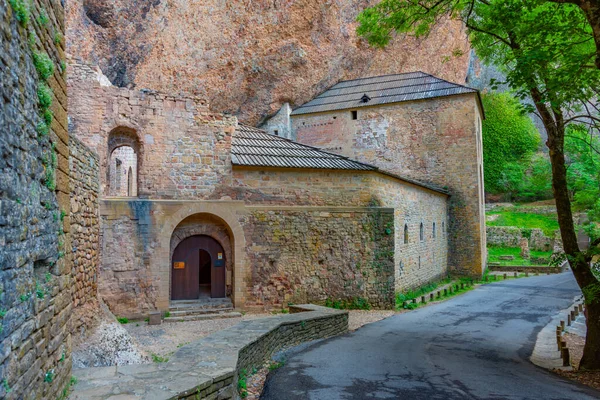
[199, 311]
[204, 304]
[201, 317]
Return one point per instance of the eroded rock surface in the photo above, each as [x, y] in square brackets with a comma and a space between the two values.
[248, 57]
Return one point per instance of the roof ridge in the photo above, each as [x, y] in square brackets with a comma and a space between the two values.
[391, 88]
[381, 76]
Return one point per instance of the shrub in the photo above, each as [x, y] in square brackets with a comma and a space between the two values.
[43, 65]
[21, 10]
[123, 320]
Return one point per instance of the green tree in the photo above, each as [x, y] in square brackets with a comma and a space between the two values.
[509, 141]
[583, 173]
[537, 182]
[548, 52]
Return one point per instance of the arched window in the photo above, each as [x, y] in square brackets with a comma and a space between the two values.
[405, 234]
[421, 233]
[434, 230]
[123, 163]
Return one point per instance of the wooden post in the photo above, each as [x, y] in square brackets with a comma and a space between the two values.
[566, 357]
[572, 315]
[526, 274]
[580, 307]
[423, 299]
[486, 278]
[439, 294]
[568, 319]
[431, 297]
[505, 276]
[516, 274]
[562, 325]
[446, 292]
[576, 310]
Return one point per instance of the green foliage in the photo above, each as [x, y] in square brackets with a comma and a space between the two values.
[44, 95]
[47, 115]
[2, 312]
[43, 19]
[49, 376]
[63, 66]
[158, 359]
[276, 364]
[24, 297]
[495, 252]
[416, 293]
[40, 291]
[524, 220]
[357, 303]
[123, 320]
[58, 38]
[509, 141]
[167, 314]
[21, 10]
[243, 384]
[583, 174]
[537, 181]
[5, 386]
[49, 179]
[43, 65]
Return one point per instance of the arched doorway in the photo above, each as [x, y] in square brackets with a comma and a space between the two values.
[198, 269]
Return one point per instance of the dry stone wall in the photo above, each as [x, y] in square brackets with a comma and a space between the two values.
[303, 255]
[510, 236]
[35, 256]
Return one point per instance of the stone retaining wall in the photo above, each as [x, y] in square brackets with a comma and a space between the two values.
[509, 236]
[531, 270]
[209, 368]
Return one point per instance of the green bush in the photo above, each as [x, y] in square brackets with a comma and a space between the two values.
[44, 95]
[21, 10]
[123, 320]
[43, 65]
[509, 141]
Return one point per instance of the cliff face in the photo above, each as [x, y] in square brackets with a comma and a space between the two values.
[248, 57]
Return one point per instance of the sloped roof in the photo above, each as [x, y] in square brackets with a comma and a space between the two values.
[381, 90]
[255, 147]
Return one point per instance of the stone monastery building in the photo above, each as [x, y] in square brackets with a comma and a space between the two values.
[194, 205]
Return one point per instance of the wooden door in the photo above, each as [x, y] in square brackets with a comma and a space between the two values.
[190, 259]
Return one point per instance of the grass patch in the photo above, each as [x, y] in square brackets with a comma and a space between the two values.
[416, 293]
[123, 320]
[524, 220]
[159, 359]
[494, 254]
[358, 303]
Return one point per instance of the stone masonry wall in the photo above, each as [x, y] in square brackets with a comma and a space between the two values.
[35, 255]
[509, 236]
[436, 141]
[184, 149]
[84, 229]
[304, 255]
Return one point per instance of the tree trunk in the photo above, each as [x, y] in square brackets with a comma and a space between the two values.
[579, 262]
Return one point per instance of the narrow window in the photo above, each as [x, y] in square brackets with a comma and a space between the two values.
[421, 233]
[405, 234]
[443, 228]
[354, 114]
[276, 132]
[434, 230]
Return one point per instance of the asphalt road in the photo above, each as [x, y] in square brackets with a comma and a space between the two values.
[474, 346]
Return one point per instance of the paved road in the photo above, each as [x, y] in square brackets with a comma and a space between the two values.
[474, 346]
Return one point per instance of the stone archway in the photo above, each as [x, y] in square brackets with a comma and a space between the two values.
[197, 230]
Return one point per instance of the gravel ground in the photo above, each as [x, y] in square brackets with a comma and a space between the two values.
[358, 318]
[164, 339]
[590, 378]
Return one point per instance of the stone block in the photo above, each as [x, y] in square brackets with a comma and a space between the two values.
[155, 318]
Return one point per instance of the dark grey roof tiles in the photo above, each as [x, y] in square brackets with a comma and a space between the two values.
[381, 90]
[255, 147]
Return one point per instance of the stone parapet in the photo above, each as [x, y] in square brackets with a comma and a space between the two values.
[210, 367]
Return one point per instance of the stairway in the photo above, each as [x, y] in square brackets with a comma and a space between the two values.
[202, 309]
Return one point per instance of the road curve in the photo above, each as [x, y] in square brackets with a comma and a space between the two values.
[474, 346]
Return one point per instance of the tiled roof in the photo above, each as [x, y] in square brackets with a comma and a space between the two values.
[255, 147]
[381, 90]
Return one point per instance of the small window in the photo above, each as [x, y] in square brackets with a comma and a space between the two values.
[354, 114]
[276, 132]
[443, 228]
[405, 234]
[421, 232]
[434, 233]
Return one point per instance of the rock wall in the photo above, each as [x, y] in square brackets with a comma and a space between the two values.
[509, 236]
[85, 230]
[248, 57]
[304, 255]
[35, 246]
